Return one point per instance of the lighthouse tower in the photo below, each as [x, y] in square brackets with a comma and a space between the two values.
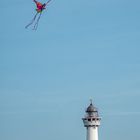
[91, 122]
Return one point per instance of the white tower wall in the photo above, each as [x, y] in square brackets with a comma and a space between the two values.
[92, 133]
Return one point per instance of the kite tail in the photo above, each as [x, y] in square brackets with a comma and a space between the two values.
[31, 21]
[36, 24]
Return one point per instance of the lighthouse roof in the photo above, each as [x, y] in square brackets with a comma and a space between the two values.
[91, 108]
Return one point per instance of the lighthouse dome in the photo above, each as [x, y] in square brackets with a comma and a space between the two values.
[91, 108]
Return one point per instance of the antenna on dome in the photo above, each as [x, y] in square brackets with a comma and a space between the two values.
[90, 101]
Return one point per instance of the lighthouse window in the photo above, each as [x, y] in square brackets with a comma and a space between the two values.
[89, 119]
[93, 119]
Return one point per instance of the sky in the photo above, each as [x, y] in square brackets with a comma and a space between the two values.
[81, 50]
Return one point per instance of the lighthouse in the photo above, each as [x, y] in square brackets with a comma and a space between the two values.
[91, 122]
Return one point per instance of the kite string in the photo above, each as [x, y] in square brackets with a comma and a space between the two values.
[48, 2]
